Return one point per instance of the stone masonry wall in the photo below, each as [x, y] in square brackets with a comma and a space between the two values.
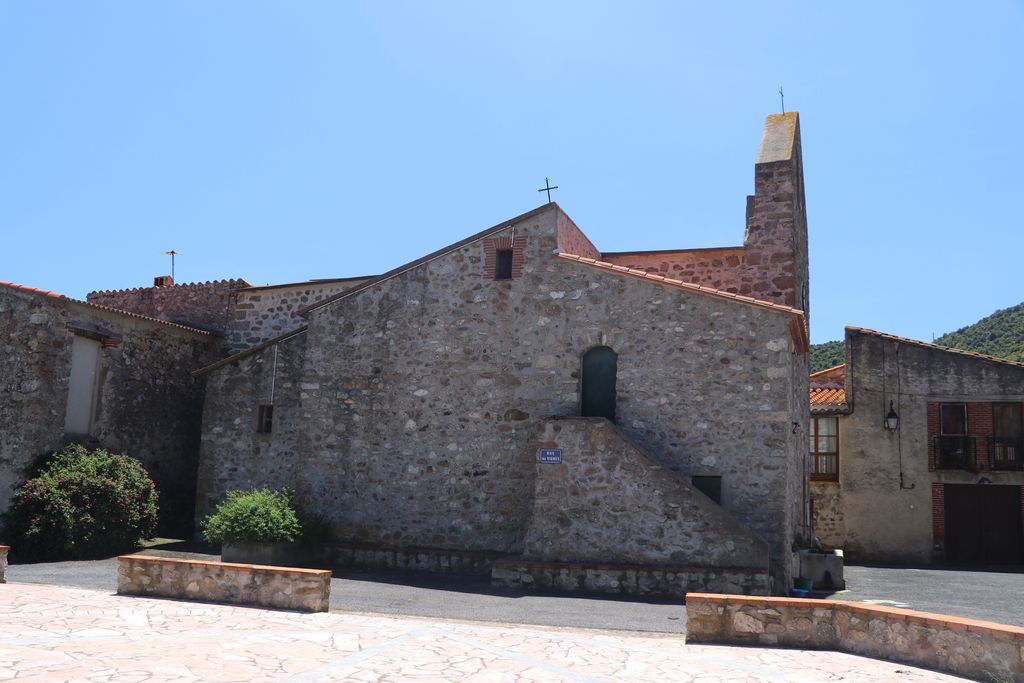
[232, 454]
[717, 268]
[148, 403]
[305, 590]
[829, 527]
[979, 650]
[620, 579]
[206, 305]
[420, 395]
[262, 313]
[889, 518]
[571, 239]
[581, 506]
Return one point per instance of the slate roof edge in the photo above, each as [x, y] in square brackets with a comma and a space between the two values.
[194, 285]
[61, 297]
[935, 347]
[504, 225]
[321, 281]
[248, 352]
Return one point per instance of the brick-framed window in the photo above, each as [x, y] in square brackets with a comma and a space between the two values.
[1007, 441]
[503, 258]
[265, 419]
[954, 445]
[824, 432]
[503, 264]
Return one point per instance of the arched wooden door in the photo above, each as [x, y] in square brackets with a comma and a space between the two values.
[598, 392]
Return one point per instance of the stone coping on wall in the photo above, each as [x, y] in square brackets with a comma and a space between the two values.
[967, 647]
[229, 566]
[295, 588]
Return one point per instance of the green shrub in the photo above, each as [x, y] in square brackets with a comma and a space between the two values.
[256, 516]
[82, 504]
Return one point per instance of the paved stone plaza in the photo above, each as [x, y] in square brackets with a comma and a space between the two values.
[50, 633]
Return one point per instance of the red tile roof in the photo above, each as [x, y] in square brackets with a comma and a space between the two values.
[32, 290]
[55, 295]
[828, 390]
[828, 399]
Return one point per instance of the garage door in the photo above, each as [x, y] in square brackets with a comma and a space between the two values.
[983, 524]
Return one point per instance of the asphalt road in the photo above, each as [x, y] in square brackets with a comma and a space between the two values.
[418, 594]
[989, 595]
[994, 596]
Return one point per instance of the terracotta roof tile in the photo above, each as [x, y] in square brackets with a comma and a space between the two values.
[32, 290]
[79, 302]
[828, 400]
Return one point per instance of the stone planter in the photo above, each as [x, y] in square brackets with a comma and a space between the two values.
[269, 554]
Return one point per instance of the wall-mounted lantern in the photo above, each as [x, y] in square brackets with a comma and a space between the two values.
[892, 420]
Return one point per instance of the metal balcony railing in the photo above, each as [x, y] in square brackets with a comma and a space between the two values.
[956, 453]
[1006, 454]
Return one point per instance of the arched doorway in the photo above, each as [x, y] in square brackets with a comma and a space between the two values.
[598, 392]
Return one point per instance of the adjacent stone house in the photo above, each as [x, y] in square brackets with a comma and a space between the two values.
[521, 403]
[75, 371]
[947, 484]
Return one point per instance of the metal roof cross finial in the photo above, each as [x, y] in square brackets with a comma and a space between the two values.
[547, 188]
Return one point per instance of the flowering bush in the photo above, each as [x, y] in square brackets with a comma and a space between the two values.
[82, 504]
[256, 516]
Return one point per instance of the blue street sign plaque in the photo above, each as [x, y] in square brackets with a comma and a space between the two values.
[551, 455]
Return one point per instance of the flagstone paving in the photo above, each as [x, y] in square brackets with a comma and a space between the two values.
[51, 633]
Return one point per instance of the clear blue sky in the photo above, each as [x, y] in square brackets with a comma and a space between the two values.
[280, 141]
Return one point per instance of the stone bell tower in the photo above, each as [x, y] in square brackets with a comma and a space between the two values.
[776, 236]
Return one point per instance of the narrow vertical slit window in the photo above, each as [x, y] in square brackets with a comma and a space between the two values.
[265, 419]
[503, 264]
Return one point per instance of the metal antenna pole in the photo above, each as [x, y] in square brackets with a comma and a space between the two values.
[172, 254]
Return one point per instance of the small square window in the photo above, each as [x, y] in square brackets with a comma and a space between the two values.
[710, 486]
[265, 419]
[503, 264]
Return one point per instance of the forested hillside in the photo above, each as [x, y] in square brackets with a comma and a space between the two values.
[826, 355]
[1000, 334]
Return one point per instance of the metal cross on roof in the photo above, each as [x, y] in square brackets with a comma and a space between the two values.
[547, 188]
[783, 99]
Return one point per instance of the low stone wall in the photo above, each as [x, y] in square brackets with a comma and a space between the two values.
[413, 558]
[978, 649]
[672, 581]
[4, 549]
[306, 590]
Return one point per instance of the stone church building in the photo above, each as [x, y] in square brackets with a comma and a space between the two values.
[521, 399]
[523, 404]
